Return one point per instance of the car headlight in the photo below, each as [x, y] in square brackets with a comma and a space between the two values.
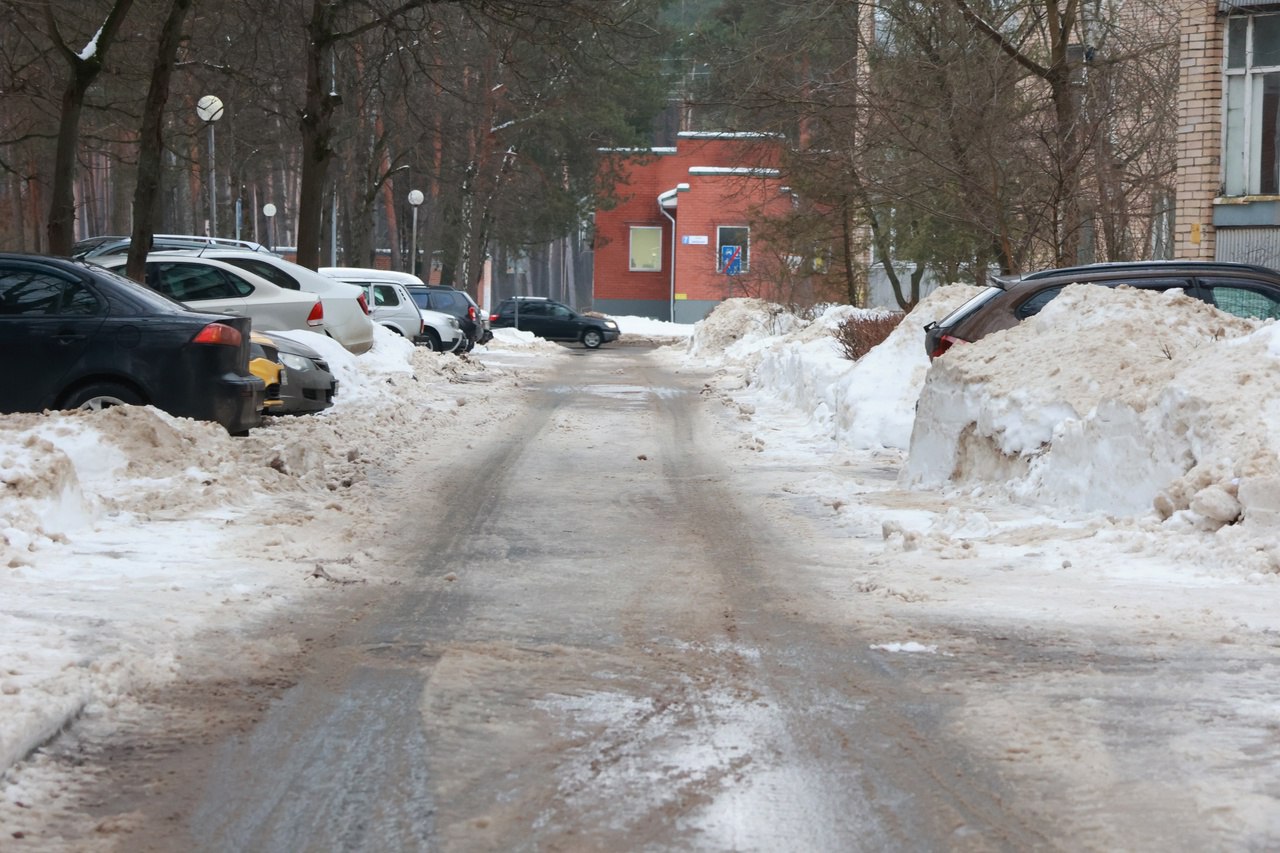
[609, 324]
[295, 362]
[453, 321]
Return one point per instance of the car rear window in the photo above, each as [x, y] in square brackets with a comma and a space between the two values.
[273, 274]
[1033, 304]
[970, 306]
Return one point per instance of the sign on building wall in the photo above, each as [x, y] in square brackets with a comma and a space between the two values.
[695, 240]
[731, 260]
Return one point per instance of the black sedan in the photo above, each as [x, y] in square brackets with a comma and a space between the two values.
[73, 335]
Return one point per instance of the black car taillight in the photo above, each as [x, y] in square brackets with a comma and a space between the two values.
[493, 318]
[219, 334]
[471, 313]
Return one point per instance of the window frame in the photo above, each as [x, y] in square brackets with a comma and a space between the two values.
[632, 230]
[1246, 168]
[746, 246]
[59, 300]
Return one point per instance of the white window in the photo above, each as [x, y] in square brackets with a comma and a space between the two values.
[1251, 138]
[646, 248]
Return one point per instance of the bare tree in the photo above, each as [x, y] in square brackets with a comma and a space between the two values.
[83, 67]
[147, 192]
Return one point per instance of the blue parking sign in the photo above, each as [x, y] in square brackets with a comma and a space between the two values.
[730, 260]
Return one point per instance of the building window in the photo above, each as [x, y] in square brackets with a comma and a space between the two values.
[1251, 138]
[646, 248]
[732, 245]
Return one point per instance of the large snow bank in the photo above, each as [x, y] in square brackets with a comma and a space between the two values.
[1116, 400]
[863, 405]
[738, 329]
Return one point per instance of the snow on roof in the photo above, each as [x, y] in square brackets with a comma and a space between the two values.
[754, 171]
[725, 134]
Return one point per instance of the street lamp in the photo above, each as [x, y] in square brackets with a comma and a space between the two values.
[209, 109]
[269, 211]
[415, 200]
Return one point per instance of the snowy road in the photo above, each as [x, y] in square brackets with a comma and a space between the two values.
[636, 631]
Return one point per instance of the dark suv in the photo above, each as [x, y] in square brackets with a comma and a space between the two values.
[1240, 289]
[553, 321]
[458, 303]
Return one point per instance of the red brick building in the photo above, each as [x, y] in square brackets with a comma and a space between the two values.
[680, 241]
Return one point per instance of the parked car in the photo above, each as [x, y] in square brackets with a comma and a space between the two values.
[447, 300]
[1240, 289]
[392, 306]
[207, 284]
[92, 248]
[346, 306]
[553, 321]
[304, 382]
[74, 335]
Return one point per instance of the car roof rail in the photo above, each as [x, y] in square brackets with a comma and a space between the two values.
[1143, 266]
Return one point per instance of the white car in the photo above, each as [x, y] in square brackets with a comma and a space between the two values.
[346, 306]
[206, 284]
[392, 306]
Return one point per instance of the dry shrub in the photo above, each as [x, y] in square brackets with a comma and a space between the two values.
[860, 333]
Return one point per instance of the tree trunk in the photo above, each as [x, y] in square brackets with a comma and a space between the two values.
[83, 71]
[151, 151]
[62, 209]
[316, 124]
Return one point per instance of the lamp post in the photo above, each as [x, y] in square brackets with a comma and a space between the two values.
[415, 201]
[269, 211]
[209, 109]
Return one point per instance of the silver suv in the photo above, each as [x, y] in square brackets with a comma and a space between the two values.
[391, 305]
[93, 248]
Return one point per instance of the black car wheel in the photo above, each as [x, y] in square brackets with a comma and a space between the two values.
[592, 338]
[432, 341]
[101, 395]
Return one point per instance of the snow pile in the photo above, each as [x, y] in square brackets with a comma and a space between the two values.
[1114, 400]
[63, 472]
[739, 328]
[880, 390]
[865, 405]
[652, 330]
[514, 339]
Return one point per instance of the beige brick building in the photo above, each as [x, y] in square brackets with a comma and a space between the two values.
[1199, 128]
[1229, 132]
